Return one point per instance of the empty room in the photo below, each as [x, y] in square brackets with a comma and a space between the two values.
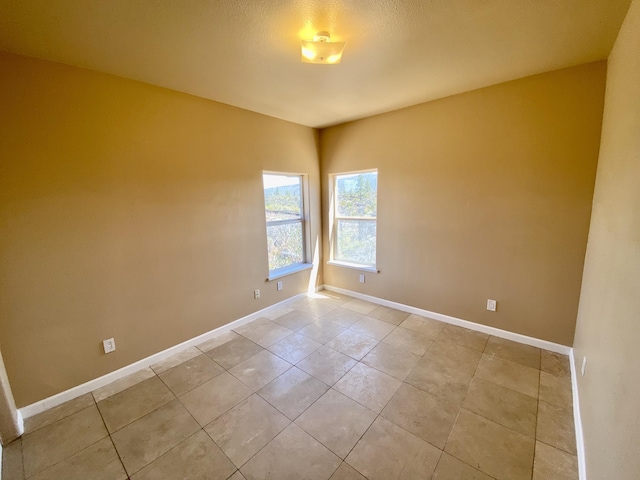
[332, 240]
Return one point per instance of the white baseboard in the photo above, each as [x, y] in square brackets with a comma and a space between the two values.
[62, 397]
[91, 385]
[577, 419]
[516, 337]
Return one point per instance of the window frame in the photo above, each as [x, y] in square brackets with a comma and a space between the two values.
[303, 220]
[334, 218]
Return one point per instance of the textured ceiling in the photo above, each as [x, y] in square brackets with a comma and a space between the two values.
[247, 53]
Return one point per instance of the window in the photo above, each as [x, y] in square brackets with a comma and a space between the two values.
[354, 212]
[284, 206]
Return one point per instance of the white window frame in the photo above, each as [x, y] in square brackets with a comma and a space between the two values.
[303, 220]
[334, 217]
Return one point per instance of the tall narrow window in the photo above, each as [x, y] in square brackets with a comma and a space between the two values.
[355, 208]
[284, 207]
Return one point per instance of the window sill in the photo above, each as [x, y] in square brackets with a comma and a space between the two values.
[283, 272]
[354, 266]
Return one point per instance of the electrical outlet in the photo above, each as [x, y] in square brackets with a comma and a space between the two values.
[492, 305]
[361, 278]
[279, 285]
[584, 365]
[109, 345]
[256, 293]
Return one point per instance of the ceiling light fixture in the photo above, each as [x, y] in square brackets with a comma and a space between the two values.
[322, 50]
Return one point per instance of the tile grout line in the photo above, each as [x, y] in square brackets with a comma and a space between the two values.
[24, 475]
[154, 410]
[378, 415]
[109, 433]
[65, 458]
[201, 428]
[318, 399]
[456, 420]
[265, 445]
[482, 416]
[310, 405]
[87, 387]
[293, 422]
[535, 440]
[356, 444]
[199, 385]
[149, 412]
[61, 418]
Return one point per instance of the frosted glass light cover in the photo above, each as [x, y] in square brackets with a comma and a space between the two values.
[322, 52]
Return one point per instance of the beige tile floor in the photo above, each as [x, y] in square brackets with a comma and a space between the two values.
[332, 388]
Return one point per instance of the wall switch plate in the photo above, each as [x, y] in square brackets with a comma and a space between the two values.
[361, 278]
[279, 285]
[109, 345]
[492, 305]
[584, 365]
[256, 293]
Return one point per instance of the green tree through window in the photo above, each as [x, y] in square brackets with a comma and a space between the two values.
[284, 211]
[355, 217]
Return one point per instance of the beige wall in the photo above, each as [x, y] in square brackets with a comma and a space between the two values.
[128, 211]
[136, 212]
[608, 328]
[481, 195]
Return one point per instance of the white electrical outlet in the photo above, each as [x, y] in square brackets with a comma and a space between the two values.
[109, 345]
[361, 278]
[256, 293]
[584, 365]
[279, 285]
[492, 305]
